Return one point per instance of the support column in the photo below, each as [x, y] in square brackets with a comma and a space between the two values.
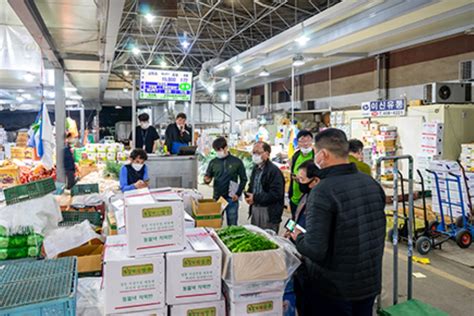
[382, 76]
[134, 114]
[232, 104]
[292, 94]
[60, 117]
[83, 124]
[267, 96]
[191, 110]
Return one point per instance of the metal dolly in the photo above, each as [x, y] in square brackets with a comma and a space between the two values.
[442, 231]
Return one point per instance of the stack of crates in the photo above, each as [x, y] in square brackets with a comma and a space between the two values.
[29, 191]
[39, 287]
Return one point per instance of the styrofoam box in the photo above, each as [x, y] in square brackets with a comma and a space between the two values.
[154, 221]
[433, 127]
[194, 274]
[131, 284]
[257, 307]
[431, 141]
[254, 290]
[154, 312]
[213, 308]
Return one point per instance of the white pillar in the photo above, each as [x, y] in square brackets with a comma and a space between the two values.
[134, 114]
[83, 124]
[191, 110]
[232, 104]
[60, 117]
[292, 94]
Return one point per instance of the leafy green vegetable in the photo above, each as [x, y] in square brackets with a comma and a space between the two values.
[112, 169]
[240, 239]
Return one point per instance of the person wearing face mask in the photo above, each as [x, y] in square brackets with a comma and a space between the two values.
[69, 164]
[266, 192]
[229, 177]
[356, 156]
[135, 174]
[345, 232]
[146, 135]
[304, 153]
[178, 134]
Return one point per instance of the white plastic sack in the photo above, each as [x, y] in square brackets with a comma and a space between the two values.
[42, 214]
[66, 238]
[90, 298]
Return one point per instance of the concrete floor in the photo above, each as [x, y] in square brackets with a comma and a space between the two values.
[449, 278]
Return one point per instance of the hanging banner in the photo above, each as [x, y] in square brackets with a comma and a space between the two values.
[165, 85]
[383, 108]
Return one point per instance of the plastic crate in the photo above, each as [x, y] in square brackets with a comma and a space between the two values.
[40, 288]
[71, 218]
[82, 189]
[29, 191]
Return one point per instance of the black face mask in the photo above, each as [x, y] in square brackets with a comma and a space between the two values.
[304, 187]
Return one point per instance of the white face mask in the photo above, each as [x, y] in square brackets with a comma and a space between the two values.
[316, 163]
[221, 154]
[144, 125]
[306, 151]
[137, 166]
[257, 159]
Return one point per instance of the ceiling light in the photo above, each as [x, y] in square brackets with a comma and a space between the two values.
[20, 90]
[298, 60]
[237, 68]
[163, 63]
[210, 89]
[302, 40]
[72, 89]
[126, 72]
[20, 99]
[135, 51]
[185, 44]
[224, 97]
[220, 68]
[264, 73]
[149, 17]
[71, 102]
[125, 90]
[118, 107]
[29, 77]
[75, 97]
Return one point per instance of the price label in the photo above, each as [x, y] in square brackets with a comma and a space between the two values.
[197, 262]
[157, 212]
[260, 307]
[137, 270]
[211, 311]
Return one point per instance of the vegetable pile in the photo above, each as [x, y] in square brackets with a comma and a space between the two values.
[240, 239]
[112, 169]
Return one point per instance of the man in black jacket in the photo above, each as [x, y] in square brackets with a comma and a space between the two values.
[345, 223]
[178, 134]
[266, 192]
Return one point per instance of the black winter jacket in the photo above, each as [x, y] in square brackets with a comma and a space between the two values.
[344, 242]
[273, 195]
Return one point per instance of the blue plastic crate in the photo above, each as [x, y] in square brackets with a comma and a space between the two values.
[40, 288]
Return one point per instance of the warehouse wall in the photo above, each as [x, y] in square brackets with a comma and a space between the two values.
[408, 70]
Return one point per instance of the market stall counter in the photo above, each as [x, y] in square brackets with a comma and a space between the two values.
[173, 171]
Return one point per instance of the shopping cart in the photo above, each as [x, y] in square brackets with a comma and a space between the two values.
[443, 231]
[410, 306]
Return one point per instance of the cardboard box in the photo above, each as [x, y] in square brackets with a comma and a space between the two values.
[433, 128]
[194, 274]
[131, 284]
[89, 257]
[214, 308]
[9, 176]
[267, 265]
[157, 312]
[154, 221]
[257, 307]
[254, 290]
[416, 102]
[189, 222]
[207, 213]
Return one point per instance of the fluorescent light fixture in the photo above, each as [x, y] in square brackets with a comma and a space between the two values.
[20, 90]
[118, 107]
[126, 72]
[72, 89]
[163, 63]
[220, 68]
[302, 40]
[224, 97]
[210, 89]
[264, 73]
[29, 77]
[20, 98]
[71, 102]
[135, 51]
[75, 97]
[125, 89]
[149, 17]
[298, 60]
[237, 68]
[185, 44]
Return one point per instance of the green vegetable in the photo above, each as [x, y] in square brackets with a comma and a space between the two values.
[112, 169]
[13, 241]
[34, 240]
[240, 239]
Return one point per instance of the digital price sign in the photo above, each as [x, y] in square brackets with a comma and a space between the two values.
[165, 85]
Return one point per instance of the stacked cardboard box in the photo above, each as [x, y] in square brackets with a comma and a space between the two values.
[22, 139]
[207, 213]
[445, 191]
[385, 145]
[467, 156]
[432, 138]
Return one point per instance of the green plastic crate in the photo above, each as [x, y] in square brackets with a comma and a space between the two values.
[412, 308]
[29, 191]
[71, 218]
[83, 189]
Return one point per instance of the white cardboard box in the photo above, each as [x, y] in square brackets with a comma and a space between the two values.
[194, 274]
[214, 308]
[132, 284]
[254, 290]
[155, 312]
[257, 307]
[433, 128]
[154, 221]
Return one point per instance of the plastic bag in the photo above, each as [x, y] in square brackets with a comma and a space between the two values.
[90, 298]
[268, 265]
